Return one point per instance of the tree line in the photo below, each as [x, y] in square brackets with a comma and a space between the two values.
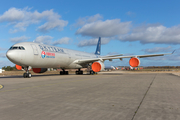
[9, 68]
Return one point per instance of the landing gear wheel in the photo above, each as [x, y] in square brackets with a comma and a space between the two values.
[27, 75]
[64, 72]
[79, 72]
[92, 72]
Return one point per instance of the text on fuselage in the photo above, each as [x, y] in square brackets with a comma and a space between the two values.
[51, 49]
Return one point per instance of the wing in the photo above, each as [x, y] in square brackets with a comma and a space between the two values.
[103, 58]
[113, 55]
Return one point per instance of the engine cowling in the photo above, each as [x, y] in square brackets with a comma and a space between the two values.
[18, 67]
[134, 62]
[39, 70]
[97, 66]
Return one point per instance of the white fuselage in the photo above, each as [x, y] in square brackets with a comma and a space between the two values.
[45, 56]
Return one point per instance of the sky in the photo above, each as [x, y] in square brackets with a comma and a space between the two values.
[128, 27]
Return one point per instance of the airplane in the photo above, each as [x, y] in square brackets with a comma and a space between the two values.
[39, 57]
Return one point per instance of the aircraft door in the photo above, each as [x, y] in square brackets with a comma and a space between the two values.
[35, 50]
[69, 57]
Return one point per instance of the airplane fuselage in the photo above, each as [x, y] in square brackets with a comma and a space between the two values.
[45, 56]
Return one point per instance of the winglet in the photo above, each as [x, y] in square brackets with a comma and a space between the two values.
[98, 49]
[173, 51]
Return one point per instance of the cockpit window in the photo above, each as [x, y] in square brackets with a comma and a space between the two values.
[17, 48]
[22, 48]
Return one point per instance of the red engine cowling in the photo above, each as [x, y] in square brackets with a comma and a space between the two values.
[134, 62]
[97, 66]
[18, 67]
[39, 70]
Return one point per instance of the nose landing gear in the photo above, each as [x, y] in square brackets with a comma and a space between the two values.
[27, 74]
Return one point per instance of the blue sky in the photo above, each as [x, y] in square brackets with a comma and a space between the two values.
[126, 27]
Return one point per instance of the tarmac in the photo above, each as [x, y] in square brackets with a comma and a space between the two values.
[116, 96]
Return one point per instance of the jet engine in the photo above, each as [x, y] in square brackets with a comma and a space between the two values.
[134, 62]
[97, 66]
[39, 70]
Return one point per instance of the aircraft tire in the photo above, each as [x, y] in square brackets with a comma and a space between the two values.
[61, 72]
[25, 75]
[64, 72]
[79, 72]
[29, 75]
[92, 72]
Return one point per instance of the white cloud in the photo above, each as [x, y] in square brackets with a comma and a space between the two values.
[56, 24]
[158, 49]
[17, 30]
[112, 53]
[12, 15]
[22, 18]
[170, 58]
[19, 39]
[154, 34]
[93, 42]
[106, 28]
[88, 19]
[44, 39]
[64, 40]
[48, 40]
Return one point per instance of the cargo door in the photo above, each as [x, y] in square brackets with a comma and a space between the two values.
[35, 50]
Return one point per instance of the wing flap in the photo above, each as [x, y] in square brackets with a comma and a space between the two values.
[113, 55]
[82, 61]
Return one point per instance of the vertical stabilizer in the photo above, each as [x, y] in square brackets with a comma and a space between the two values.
[98, 49]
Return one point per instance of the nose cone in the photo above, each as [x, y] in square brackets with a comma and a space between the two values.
[12, 56]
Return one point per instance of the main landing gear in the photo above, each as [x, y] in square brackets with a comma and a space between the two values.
[79, 72]
[64, 72]
[27, 74]
[91, 72]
